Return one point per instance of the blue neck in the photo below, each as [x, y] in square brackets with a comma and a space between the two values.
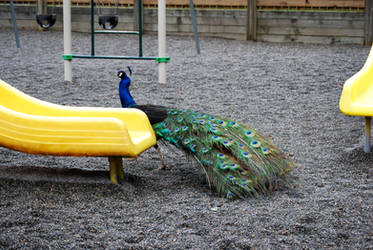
[124, 93]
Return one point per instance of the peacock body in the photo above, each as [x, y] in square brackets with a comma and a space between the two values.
[238, 161]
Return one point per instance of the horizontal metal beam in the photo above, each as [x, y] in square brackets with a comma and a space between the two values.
[114, 57]
[116, 32]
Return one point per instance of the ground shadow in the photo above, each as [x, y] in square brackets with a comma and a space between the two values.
[62, 175]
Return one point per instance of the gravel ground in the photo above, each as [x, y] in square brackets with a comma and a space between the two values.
[289, 92]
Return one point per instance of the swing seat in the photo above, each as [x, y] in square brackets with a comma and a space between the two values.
[108, 22]
[46, 20]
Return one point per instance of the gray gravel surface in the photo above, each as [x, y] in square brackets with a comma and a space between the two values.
[289, 92]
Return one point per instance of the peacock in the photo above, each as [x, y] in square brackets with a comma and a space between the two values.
[238, 161]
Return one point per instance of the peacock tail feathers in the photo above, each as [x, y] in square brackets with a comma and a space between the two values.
[239, 161]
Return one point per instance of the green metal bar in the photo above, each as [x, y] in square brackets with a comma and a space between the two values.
[163, 59]
[115, 57]
[116, 32]
[92, 28]
[67, 57]
[140, 27]
[157, 59]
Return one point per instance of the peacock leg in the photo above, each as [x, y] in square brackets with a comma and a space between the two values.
[163, 167]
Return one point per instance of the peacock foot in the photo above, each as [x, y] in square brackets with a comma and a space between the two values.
[163, 167]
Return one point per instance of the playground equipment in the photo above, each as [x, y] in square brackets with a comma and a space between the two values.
[44, 19]
[357, 97]
[33, 126]
[161, 59]
[108, 21]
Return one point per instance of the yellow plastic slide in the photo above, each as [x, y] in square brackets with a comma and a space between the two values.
[357, 96]
[33, 126]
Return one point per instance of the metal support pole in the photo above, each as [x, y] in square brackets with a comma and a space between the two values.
[367, 133]
[14, 23]
[140, 27]
[162, 40]
[92, 28]
[251, 20]
[368, 22]
[194, 22]
[67, 38]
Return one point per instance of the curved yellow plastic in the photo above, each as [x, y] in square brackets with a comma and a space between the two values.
[357, 93]
[33, 126]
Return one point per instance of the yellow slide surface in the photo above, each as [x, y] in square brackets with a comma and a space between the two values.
[33, 126]
[357, 94]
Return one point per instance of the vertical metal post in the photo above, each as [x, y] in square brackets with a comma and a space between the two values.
[92, 28]
[140, 26]
[251, 20]
[194, 22]
[162, 40]
[368, 22]
[367, 133]
[67, 38]
[14, 23]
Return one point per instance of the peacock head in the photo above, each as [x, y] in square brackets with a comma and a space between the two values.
[122, 75]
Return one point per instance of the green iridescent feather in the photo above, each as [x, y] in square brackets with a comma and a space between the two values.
[238, 161]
